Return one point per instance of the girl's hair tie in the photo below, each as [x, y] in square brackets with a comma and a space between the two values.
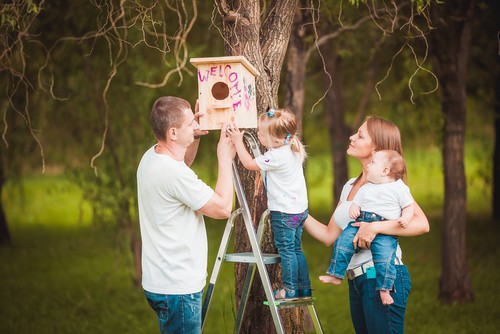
[287, 138]
[270, 112]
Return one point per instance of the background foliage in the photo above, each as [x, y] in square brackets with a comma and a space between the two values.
[69, 268]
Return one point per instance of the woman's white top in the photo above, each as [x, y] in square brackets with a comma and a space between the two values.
[341, 216]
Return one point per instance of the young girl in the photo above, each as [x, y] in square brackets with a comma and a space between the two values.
[286, 193]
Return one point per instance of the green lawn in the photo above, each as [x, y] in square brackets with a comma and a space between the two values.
[66, 275]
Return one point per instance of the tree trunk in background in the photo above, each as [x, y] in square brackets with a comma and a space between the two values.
[496, 156]
[265, 47]
[296, 63]
[4, 228]
[449, 42]
[335, 113]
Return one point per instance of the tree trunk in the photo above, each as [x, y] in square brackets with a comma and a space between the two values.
[335, 113]
[4, 228]
[496, 156]
[296, 63]
[265, 47]
[449, 44]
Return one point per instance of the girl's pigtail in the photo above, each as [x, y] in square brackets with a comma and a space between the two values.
[298, 148]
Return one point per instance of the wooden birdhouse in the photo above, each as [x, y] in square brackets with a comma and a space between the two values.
[226, 91]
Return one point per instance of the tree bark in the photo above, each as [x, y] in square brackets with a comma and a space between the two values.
[264, 45]
[335, 115]
[449, 44]
[5, 238]
[296, 63]
[496, 154]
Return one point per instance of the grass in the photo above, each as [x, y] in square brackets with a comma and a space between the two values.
[66, 275]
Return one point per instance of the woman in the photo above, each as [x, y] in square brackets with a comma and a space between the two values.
[368, 314]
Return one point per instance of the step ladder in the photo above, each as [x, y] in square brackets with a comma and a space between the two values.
[256, 261]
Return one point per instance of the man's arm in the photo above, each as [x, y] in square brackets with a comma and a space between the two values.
[221, 203]
[192, 150]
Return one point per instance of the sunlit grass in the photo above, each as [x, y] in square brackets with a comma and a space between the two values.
[64, 274]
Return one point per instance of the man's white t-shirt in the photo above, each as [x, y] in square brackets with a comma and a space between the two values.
[285, 182]
[174, 240]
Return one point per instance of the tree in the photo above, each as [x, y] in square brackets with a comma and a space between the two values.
[263, 41]
[450, 43]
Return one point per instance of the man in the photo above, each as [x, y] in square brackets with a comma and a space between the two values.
[172, 201]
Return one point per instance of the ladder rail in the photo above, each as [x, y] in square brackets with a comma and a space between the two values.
[249, 277]
[256, 249]
[228, 231]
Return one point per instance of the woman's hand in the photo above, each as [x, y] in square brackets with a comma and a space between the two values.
[366, 233]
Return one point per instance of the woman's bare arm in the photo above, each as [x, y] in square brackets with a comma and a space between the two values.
[327, 234]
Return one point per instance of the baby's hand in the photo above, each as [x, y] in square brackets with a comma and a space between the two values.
[403, 222]
[354, 211]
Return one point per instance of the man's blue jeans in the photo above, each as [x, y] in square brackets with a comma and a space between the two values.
[383, 249]
[369, 315]
[287, 230]
[177, 313]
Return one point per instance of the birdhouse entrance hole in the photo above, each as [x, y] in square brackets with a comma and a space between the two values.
[220, 90]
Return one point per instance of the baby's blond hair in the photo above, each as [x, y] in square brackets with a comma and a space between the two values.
[396, 164]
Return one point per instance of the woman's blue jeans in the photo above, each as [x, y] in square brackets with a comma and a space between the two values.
[177, 313]
[383, 249]
[369, 315]
[287, 230]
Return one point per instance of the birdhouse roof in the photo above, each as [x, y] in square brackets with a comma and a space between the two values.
[225, 60]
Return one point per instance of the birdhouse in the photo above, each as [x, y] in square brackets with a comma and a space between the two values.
[226, 91]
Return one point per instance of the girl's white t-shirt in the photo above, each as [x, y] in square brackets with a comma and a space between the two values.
[284, 179]
[174, 240]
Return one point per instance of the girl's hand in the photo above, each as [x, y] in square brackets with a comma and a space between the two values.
[234, 133]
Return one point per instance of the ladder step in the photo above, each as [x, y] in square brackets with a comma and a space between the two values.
[292, 302]
[249, 257]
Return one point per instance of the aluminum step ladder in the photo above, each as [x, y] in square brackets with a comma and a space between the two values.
[256, 260]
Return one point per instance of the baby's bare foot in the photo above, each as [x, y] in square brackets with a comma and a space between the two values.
[386, 298]
[330, 279]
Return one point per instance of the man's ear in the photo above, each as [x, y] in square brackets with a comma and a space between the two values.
[172, 133]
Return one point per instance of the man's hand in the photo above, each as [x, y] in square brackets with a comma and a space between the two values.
[225, 148]
[197, 114]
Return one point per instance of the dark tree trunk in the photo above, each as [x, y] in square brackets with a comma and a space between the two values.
[296, 63]
[496, 156]
[450, 41]
[265, 47]
[4, 228]
[335, 112]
